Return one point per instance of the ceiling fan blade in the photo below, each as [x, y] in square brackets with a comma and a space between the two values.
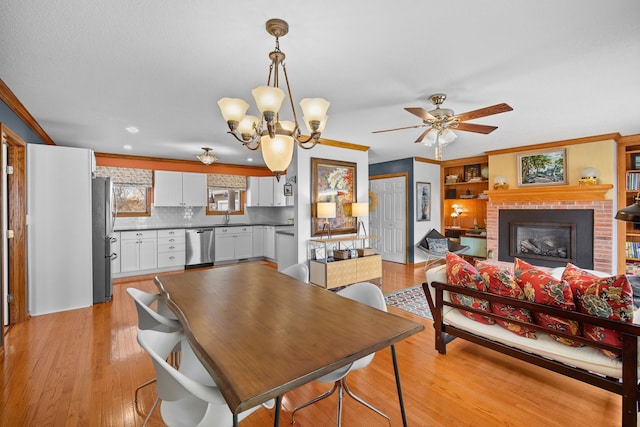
[421, 137]
[483, 112]
[472, 127]
[391, 130]
[420, 112]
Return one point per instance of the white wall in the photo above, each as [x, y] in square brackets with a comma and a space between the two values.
[301, 168]
[427, 172]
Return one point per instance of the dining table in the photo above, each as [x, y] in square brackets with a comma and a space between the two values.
[260, 333]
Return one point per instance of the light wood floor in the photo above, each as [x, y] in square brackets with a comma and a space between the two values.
[81, 367]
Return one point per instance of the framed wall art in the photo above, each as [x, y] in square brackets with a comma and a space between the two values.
[545, 167]
[423, 201]
[333, 181]
[472, 173]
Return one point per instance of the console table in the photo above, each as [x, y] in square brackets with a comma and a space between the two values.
[331, 272]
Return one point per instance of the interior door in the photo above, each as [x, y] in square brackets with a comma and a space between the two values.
[389, 219]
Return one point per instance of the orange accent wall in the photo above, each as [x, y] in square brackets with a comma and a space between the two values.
[178, 165]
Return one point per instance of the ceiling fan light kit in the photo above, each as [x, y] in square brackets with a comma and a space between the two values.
[276, 137]
[441, 121]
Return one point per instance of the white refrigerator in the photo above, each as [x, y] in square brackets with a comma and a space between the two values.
[59, 243]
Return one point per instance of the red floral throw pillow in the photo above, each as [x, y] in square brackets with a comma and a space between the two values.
[461, 273]
[607, 297]
[542, 288]
[502, 282]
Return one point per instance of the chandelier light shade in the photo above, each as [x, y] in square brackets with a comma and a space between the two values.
[207, 157]
[276, 138]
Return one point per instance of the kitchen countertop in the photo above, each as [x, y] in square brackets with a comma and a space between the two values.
[188, 227]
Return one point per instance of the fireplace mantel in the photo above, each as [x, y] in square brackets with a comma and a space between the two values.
[560, 193]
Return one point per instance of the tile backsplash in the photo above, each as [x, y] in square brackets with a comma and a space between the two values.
[197, 216]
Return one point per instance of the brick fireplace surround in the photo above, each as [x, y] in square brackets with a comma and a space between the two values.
[561, 197]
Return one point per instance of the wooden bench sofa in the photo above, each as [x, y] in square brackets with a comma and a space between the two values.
[586, 363]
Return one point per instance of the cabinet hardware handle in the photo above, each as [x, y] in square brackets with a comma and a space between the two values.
[172, 257]
[172, 247]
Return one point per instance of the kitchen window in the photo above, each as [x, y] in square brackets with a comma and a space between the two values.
[132, 200]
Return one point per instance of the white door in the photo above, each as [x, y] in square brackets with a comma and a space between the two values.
[389, 219]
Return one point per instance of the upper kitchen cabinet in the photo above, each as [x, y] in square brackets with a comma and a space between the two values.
[180, 188]
[266, 191]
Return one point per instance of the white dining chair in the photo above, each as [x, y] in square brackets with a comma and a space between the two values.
[297, 271]
[189, 396]
[150, 319]
[366, 293]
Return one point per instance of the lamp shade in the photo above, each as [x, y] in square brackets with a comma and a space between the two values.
[314, 108]
[268, 98]
[359, 210]
[589, 172]
[277, 152]
[631, 213]
[321, 127]
[326, 210]
[247, 125]
[233, 109]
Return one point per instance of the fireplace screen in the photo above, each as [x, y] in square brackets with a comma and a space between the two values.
[546, 241]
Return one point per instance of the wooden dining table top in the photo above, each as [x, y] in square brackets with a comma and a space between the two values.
[261, 333]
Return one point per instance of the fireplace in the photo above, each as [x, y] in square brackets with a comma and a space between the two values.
[547, 237]
[562, 199]
[547, 241]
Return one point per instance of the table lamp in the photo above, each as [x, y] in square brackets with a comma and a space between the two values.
[360, 210]
[326, 210]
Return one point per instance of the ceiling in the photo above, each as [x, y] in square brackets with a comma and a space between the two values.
[87, 70]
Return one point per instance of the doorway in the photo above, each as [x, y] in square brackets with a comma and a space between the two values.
[13, 232]
[389, 218]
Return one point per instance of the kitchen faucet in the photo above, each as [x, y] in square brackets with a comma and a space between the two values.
[227, 217]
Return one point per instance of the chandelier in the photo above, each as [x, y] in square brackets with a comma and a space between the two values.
[207, 158]
[274, 136]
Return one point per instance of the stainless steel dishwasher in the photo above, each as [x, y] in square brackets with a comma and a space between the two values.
[199, 247]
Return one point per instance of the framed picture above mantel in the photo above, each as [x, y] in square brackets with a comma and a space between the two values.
[333, 181]
[543, 167]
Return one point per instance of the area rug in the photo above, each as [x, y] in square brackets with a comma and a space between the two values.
[411, 300]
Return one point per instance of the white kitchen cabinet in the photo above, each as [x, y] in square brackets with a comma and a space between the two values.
[115, 249]
[266, 191]
[278, 191]
[258, 240]
[138, 250]
[233, 243]
[180, 188]
[171, 248]
[270, 242]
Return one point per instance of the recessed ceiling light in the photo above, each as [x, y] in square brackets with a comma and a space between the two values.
[132, 129]
[127, 147]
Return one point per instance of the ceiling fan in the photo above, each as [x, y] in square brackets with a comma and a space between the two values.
[440, 122]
